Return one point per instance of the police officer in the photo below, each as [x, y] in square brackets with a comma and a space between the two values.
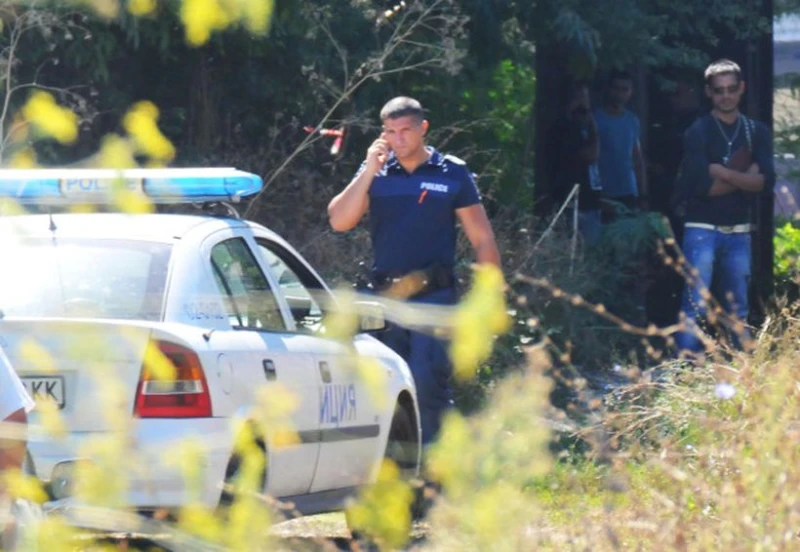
[14, 406]
[415, 195]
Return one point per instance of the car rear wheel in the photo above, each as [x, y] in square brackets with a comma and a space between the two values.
[233, 471]
[402, 448]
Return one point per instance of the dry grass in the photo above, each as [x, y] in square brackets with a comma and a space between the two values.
[703, 459]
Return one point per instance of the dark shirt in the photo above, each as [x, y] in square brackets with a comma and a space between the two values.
[666, 146]
[705, 144]
[565, 166]
[413, 216]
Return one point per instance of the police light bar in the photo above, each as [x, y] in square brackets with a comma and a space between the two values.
[99, 186]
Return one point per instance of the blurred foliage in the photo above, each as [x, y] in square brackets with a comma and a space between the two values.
[583, 307]
[786, 7]
[506, 99]
[653, 33]
[787, 260]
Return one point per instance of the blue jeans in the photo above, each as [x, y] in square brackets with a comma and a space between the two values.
[429, 361]
[589, 225]
[724, 258]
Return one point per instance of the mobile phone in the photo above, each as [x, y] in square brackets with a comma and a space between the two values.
[383, 137]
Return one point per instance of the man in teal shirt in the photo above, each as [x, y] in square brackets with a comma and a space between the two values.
[621, 162]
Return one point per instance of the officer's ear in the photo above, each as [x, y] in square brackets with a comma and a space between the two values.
[425, 126]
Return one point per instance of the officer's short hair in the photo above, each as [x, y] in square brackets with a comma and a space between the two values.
[402, 106]
[722, 67]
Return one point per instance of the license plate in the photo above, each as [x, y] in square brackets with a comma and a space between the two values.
[49, 388]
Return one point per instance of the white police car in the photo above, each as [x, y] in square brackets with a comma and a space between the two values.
[232, 306]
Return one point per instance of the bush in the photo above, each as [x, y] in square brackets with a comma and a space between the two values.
[698, 460]
[787, 260]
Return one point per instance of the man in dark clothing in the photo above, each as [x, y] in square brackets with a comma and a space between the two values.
[727, 163]
[572, 151]
[663, 300]
[683, 109]
[415, 195]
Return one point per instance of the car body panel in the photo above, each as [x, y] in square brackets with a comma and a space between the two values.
[337, 428]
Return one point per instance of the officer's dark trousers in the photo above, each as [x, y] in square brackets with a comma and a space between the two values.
[429, 362]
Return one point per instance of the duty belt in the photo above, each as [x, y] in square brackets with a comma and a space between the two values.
[414, 283]
[735, 229]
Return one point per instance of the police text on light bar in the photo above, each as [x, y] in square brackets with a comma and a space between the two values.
[101, 186]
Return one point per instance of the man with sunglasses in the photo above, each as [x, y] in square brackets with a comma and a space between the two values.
[727, 163]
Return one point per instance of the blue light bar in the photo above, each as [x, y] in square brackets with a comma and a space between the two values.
[99, 186]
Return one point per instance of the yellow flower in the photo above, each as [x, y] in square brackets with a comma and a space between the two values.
[23, 159]
[189, 456]
[199, 520]
[448, 461]
[24, 486]
[343, 321]
[130, 201]
[141, 7]
[157, 364]
[51, 119]
[50, 418]
[140, 122]
[274, 406]
[375, 377]
[9, 206]
[104, 479]
[480, 316]
[36, 356]
[201, 18]
[115, 153]
[108, 9]
[56, 535]
[384, 509]
[257, 15]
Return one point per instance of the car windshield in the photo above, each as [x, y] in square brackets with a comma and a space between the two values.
[83, 278]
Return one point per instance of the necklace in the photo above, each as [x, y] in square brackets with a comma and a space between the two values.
[730, 140]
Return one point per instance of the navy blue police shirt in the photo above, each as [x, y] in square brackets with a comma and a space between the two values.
[412, 216]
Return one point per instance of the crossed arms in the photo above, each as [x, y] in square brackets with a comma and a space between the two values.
[744, 172]
[728, 180]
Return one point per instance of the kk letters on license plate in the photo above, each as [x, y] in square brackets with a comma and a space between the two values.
[46, 388]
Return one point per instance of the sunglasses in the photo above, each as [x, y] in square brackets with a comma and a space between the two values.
[732, 89]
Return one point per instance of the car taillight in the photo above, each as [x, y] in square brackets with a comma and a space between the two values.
[184, 394]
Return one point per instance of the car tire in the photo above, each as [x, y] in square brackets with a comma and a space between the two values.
[402, 448]
[232, 470]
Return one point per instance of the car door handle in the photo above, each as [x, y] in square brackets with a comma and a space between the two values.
[325, 372]
[269, 369]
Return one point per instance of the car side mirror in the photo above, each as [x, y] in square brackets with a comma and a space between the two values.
[371, 316]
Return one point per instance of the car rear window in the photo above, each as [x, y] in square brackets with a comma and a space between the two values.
[83, 278]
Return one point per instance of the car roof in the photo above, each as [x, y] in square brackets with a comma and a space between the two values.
[156, 227]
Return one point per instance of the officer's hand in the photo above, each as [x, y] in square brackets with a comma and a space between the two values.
[377, 154]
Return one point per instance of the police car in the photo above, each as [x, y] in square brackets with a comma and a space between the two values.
[234, 310]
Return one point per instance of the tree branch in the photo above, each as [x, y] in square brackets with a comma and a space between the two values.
[400, 36]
